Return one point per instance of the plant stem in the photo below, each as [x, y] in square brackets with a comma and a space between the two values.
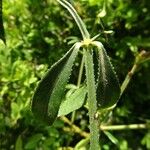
[75, 128]
[140, 58]
[78, 85]
[80, 72]
[92, 103]
[128, 78]
[125, 127]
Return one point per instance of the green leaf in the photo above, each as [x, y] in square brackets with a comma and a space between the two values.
[73, 102]
[50, 91]
[108, 89]
[15, 111]
[95, 2]
[103, 11]
[18, 145]
[146, 140]
[33, 141]
[2, 33]
[111, 137]
[83, 144]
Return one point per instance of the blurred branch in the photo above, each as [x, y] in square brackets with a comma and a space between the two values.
[140, 58]
[128, 78]
[76, 129]
[125, 127]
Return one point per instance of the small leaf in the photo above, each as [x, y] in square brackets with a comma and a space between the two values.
[2, 33]
[49, 93]
[108, 89]
[146, 140]
[33, 141]
[103, 12]
[18, 145]
[83, 144]
[73, 102]
[111, 137]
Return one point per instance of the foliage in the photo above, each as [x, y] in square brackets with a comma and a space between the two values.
[2, 33]
[37, 34]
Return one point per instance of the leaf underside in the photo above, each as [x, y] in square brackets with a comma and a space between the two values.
[73, 102]
[108, 89]
[50, 90]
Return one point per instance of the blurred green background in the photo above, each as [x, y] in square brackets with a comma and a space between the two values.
[38, 33]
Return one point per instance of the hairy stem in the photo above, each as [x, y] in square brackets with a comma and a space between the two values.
[92, 103]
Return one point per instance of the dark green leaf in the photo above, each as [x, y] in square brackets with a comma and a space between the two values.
[108, 89]
[146, 140]
[49, 93]
[73, 102]
[33, 141]
[2, 33]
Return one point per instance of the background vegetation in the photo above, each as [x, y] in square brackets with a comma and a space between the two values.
[38, 33]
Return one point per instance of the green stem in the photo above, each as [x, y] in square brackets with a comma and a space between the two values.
[128, 78]
[103, 28]
[92, 103]
[140, 58]
[74, 128]
[125, 127]
[78, 84]
[84, 134]
[80, 72]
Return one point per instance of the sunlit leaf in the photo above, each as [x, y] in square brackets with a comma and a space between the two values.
[73, 102]
[103, 12]
[94, 2]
